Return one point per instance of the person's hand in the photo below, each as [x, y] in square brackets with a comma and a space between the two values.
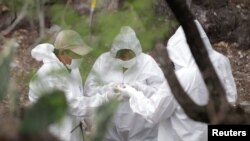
[126, 90]
[111, 86]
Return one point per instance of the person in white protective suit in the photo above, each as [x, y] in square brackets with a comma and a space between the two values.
[179, 127]
[125, 64]
[220, 62]
[222, 67]
[184, 128]
[60, 71]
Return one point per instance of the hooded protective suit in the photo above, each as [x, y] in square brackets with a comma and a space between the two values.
[54, 75]
[180, 127]
[144, 75]
[221, 65]
[220, 62]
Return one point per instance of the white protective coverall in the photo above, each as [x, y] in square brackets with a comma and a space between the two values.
[221, 65]
[144, 75]
[53, 74]
[180, 127]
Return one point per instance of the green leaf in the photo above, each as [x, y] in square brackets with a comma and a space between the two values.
[103, 116]
[49, 108]
[5, 60]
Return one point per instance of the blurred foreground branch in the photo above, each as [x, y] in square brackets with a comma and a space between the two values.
[218, 110]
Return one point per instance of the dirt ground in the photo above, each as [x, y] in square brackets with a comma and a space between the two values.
[24, 66]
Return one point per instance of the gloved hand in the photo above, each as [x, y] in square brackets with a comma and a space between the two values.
[126, 90]
[110, 87]
[113, 94]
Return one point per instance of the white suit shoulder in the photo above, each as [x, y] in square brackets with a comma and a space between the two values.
[146, 59]
[104, 58]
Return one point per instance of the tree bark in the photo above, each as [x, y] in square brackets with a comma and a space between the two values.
[194, 111]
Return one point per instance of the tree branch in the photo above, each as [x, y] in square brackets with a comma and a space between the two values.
[18, 19]
[218, 103]
[198, 113]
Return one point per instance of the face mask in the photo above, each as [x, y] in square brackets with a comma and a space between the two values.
[127, 64]
[75, 63]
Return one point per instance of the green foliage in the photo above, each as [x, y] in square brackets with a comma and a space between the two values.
[103, 115]
[14, 5]
[64, 16]
[141, 16]
[5, 60]
[30, 6]
[49, 109]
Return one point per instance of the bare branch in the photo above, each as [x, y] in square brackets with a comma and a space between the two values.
[218, 103]
[40, 13]
[198, 113]
[17, 21]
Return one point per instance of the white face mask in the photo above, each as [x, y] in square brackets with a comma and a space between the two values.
[127, 64]
[75, 63]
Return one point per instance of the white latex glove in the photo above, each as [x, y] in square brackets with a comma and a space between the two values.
[126, 90]
[112, 92]
[111, 86]
[115, 94]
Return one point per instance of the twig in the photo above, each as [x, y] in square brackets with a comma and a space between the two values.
[18, 19]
